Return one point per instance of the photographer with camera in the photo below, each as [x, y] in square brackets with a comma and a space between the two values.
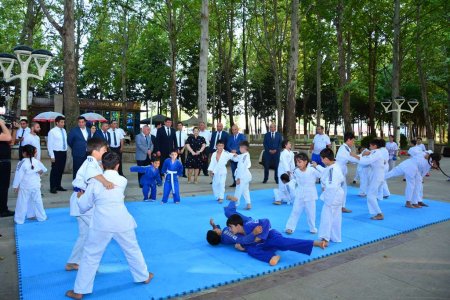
[5, 169]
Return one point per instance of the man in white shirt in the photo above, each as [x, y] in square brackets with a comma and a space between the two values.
[21, 133]
[155, 130]
[116, 143]
[320, 142]
[33, 139]
[181, 138]
[57, 150]
[206, 134]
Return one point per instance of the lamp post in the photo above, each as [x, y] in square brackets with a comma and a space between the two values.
[23, 56]
[399, 101]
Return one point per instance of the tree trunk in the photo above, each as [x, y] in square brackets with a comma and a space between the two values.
[244, 63]
[228, 63]
[203, 65]
[373, 45]
[171, 28]
[124, 64]
[319, 87]
[292, 74]
[423, 83]
[396, 63]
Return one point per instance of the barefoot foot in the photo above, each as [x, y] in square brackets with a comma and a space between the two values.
[150, 277]
[274, 260]
[73, 295]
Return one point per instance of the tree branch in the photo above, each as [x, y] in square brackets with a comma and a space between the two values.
[50, 18]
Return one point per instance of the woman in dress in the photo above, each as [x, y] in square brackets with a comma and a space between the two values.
[195, 145]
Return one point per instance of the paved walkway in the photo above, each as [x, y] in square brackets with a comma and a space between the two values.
[413, 265]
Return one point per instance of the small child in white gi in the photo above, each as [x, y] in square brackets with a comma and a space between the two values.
[27, 181]
[286, 163]
[384, 192]
[242, 175]
[332, 180]
[89, 169]
[110, 220]
[361, 173]
[218, 170]
[305, 176]
[288, 194]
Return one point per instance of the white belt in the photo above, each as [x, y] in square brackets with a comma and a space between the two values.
[172, 181]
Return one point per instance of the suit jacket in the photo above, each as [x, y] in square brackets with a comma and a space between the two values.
[233, 144]
[99, 134]
[77, 142]
[164, 143]
[223, 137]
[272, 144]
[142, 147]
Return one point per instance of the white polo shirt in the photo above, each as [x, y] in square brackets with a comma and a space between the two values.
[320, 142]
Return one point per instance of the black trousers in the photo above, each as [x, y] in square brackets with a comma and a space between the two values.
[206, 163]
[162, 158]
[20, 153]
[57, 169]
[117, 150]
[145, 162]
[183, 160]
[5, 171]
[77, 162]
[271, 161]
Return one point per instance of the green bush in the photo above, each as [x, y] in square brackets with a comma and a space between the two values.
[366, 140]
[403, 141]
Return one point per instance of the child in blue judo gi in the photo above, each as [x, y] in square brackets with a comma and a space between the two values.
[149, 179]
[256, 237]
[172, 168]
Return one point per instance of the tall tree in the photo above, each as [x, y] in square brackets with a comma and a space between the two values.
[396, 62]
[203, 66]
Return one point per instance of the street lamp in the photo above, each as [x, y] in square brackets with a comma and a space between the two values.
[23, 56]
[399, 101]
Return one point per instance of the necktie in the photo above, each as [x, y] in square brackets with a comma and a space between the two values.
[273, 135]
[235, 137]
[167, 131]
[63, 139]
[115, 138]
[179, 139]
[217, 138]
[106, 136]
[146, 140]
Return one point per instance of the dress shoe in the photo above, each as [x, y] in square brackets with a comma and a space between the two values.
[184, 176]
[233, 185]
[264, 181]
[8, 213]
[61, 189]
[53, 191]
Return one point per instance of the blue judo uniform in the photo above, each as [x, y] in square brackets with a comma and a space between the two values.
[148, 180]
[271, 239]
[171, 171]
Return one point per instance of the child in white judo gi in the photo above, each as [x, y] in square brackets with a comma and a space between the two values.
[362, 173]
[288, 194]
[89, 169]
[332, 195]
[384, 192]
[376, 162]
[343, 157]
[305, 175]
[242, 175]
[286, 165]
[110, 220]
[27, 182]
[218, 170]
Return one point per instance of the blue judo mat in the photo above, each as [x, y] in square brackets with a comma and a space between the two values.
[172, 238]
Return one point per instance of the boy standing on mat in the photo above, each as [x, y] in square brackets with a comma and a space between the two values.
[110, 220]
[149, 179]
[172, 168]
[218, 170]
[242, 176]
[89, 169]
[332, 181]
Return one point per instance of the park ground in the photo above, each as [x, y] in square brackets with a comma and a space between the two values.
[413, 265]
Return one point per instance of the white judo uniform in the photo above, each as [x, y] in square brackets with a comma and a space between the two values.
[376, 162]
[410, 170]
[219, 170]
[89, 169]
[243, 174]
[285, 165]
[110, 220]
[362, 173]
[306, 196]
[423, 164]
[288, 195]
[384, 190]
[343, 157]
[28, 181]
[392, 148]
[332, 181]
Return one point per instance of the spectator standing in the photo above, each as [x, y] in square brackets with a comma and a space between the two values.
[116, 143]
[165, 141]
[206, 134]
[181, 137]
[5, 169]
[21, 133]
[77, 141]
[144, 149]
[57, 150]
[272, 150]
[103, 133]
[320, 142]
[218, 135]
[233, 146]
[33, 139]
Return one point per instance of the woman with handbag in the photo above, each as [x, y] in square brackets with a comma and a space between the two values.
[195, 144]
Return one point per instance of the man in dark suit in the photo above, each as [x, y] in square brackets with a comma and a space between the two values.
[77, 140]
[165, 141]
[233, 146]
[103, 133]
[272, 149]
[217, 136]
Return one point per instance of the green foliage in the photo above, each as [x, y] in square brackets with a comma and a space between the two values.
[403, 141]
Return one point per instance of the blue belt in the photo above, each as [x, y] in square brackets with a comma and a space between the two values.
[75, 189]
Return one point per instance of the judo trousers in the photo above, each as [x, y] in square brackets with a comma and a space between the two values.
[413, 183]
[149, 191]
[299, 206]
[168, 189]
[242, 189]
[95, 246]
[29, 203]
[373, 191]
[330, 223]
[275, 241]
[218, 185]
[83, 229]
